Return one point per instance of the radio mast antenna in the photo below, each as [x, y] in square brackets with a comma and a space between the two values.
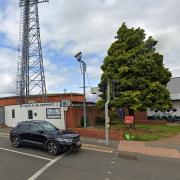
[31, 78]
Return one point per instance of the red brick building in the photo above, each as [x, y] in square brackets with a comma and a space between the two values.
[75, 109]
[74, 112]
[74, 98]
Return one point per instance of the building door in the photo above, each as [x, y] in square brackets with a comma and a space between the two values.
[30, 114]
[2, 115]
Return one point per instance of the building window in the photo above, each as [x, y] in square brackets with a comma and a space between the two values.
[13, 113]
[30, 114]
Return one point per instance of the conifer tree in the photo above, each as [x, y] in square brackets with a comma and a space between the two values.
[134, 64]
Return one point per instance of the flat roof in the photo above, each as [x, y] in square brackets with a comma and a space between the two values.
[48, 95]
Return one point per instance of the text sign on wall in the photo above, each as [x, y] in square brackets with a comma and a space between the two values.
[129, 120]
[53, 113]
[42, 104]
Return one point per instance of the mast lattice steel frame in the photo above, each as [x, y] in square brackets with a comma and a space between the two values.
[31, 78]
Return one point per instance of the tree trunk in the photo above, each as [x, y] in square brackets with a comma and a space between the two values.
[131, 112]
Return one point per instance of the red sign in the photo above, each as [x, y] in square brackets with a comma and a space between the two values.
[129, 120]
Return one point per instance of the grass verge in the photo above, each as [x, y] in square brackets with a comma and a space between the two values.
[150, 132]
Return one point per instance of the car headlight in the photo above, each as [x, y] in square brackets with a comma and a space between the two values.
[68, 140]
[65, 140]
[60, 139]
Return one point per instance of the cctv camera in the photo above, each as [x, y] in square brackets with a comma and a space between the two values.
[78, 54]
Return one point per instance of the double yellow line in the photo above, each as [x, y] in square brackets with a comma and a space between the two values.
[96, 148]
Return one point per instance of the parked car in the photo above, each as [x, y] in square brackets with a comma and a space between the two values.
[44, 134]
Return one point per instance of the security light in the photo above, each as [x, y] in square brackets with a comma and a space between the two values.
[78, 56]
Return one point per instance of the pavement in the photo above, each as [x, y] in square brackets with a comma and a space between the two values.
[168, 147]
[4, 129]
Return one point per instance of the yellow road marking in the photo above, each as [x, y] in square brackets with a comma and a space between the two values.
[96, 148]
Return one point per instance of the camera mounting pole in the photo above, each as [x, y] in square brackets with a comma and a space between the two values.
[78, 56]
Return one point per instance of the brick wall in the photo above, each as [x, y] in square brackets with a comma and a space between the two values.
[8, 101]
[140, 116]
[99, 133]
[50, 98]
[75, 113]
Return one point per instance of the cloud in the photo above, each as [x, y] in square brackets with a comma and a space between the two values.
[93, 68]
[54, 78]
[71, 26]
[9, 20]
[90, 26]
[8, 71]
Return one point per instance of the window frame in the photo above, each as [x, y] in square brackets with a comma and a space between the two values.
[13, 114]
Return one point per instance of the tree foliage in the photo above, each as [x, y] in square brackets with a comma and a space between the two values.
[133, 62]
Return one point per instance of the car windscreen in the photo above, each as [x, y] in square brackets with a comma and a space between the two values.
[48, 126]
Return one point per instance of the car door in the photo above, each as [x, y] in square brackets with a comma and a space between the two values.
[24, 131]
[37, 135]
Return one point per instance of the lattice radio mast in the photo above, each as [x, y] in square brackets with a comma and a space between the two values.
[31, 78]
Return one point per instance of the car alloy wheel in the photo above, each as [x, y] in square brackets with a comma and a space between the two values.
[15, 141]
[52, 148]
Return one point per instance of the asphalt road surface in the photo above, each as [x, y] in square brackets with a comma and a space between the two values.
[90, 163]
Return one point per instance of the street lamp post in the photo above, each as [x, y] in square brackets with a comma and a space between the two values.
[78, 56]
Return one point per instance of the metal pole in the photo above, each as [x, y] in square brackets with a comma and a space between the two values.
[84, 91]
[78, 56]
[107, 114]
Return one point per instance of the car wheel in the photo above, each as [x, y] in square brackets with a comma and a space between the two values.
[15, 141]
[52, 148]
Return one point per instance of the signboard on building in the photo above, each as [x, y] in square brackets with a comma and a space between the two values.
[175, 96]
[53, 113]
[42, 104]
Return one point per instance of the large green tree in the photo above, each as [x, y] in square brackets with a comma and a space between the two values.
[133, 62]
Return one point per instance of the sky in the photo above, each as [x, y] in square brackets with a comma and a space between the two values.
[89, 26]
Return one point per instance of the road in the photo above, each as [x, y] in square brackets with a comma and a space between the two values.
[27, 163]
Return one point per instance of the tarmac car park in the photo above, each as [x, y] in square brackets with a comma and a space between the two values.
[92, 161]
[30, 162]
